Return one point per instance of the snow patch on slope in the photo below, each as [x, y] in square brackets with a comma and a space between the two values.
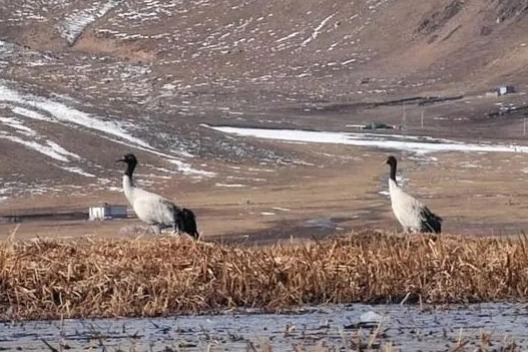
[18, 126]
[6, 50]
[49, 148]
[418, 145]
[29, 113]
[77, 170]
[317, 30]
[63, 113]
[43, 109]
[75, 23]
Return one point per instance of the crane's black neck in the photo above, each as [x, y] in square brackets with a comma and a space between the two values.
[393, 171]
[131, 165]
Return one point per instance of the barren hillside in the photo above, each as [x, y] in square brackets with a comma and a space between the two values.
[84, 81]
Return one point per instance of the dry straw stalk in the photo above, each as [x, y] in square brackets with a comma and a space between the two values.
[152, 277]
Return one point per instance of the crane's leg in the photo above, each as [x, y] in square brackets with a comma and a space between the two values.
[176, 229]
[156, 229]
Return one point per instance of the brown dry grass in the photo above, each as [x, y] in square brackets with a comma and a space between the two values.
[141, 277]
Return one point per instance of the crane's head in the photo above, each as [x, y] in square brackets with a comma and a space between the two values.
[131, 161]
[128, 158]
[391, 160]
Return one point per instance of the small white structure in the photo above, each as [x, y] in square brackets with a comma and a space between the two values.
[503, 90]
[107, 211]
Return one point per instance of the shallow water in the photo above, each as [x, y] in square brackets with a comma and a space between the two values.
[406, 328]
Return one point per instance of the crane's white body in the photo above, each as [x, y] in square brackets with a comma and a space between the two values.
[406, 208]
[149, 207]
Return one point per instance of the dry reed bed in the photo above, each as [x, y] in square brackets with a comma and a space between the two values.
[150, 277]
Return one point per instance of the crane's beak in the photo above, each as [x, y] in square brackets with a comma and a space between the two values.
[120, 161]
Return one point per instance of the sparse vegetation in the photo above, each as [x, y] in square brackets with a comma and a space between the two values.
[372, 340]
[44, 280]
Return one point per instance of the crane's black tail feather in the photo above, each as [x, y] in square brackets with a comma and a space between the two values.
[186, 222]
[430, 221]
